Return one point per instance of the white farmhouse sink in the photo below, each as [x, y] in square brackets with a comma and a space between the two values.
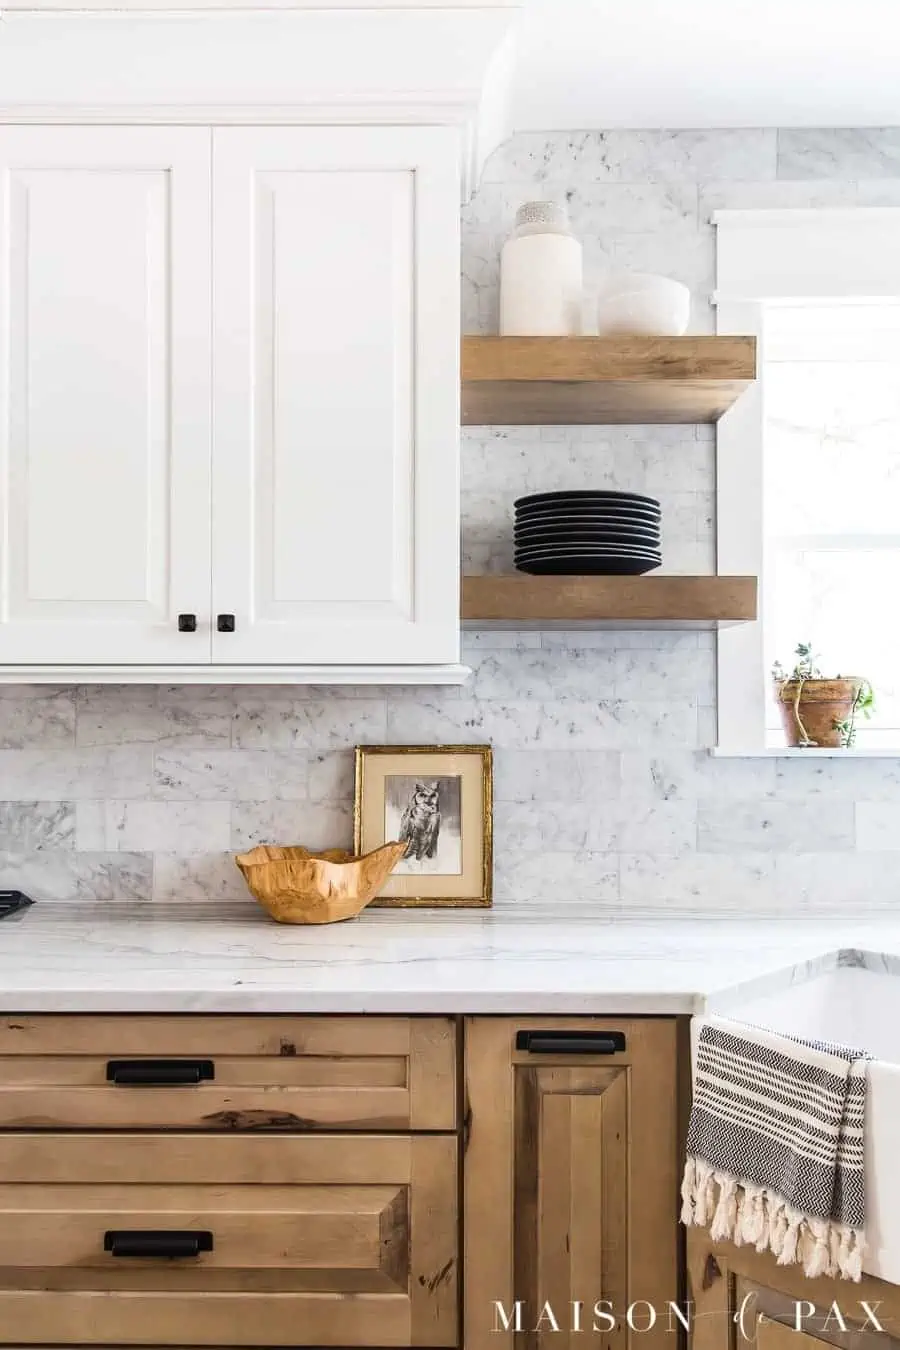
[861, 1008]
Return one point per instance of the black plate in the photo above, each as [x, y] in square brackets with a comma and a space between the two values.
[614, 545]
[596, 563]
[579, 513]
[586, 551]
[598, 513]
[587, 545]
[614, 550]
[585, 495]
[616, 534]
[572, 502]
[598, 566]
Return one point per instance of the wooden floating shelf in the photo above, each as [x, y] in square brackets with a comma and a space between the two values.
[522, 601]
[595, 381]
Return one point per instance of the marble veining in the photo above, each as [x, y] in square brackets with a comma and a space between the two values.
[563, 959]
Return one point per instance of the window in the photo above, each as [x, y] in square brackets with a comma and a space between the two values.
[831, 498]
[809, 465]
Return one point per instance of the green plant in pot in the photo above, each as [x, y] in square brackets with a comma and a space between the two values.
[820, 712]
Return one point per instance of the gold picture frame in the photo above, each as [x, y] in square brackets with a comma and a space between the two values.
[442, 796]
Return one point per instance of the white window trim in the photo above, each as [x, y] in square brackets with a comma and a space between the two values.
[764, 257]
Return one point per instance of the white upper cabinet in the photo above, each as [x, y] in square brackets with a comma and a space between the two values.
[104, 394]
[229, 434]
[335, 514]
[229, 335]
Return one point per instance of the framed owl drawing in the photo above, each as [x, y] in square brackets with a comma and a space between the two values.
[437, 800]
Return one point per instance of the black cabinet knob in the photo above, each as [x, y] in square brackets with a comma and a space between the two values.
[187, 623]
[225, 623]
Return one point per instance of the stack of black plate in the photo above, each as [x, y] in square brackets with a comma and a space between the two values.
[591, 533]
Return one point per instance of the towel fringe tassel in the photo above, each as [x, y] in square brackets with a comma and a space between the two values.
[744, 1214]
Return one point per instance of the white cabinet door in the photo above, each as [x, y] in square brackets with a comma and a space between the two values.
[335, 395]
[104, 394]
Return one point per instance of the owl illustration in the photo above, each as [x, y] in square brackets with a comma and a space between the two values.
[421, 821]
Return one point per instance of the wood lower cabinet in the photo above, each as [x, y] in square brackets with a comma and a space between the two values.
[741, 1299]
[269, 1181]
[229, 1181]
[343, 1240]
[571, 1177]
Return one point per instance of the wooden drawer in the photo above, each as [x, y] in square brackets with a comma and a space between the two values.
[320, 1240]
[250, 1073]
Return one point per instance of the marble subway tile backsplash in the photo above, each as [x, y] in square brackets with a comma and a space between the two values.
[63, 773]
[32, 827]
[774, 826]
[848, 152]
[606, 794]
[159, 827]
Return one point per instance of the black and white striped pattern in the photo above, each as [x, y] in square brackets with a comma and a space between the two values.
[777, 1125]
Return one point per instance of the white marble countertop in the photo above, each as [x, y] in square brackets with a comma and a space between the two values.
[206, 958]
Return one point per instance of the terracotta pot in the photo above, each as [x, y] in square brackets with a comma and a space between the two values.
[809, 720]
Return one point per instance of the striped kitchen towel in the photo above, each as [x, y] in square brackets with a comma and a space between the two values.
[775, 1146]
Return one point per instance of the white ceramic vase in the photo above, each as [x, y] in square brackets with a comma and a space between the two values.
[541, 275]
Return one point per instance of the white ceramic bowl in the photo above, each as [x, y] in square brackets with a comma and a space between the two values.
[641, 304]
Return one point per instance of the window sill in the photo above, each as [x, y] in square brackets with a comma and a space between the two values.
[786, 752]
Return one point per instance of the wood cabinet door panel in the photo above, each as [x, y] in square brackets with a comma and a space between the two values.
[570, 1188]
[290, 1073]
[742, 1299]
[344, 1240]
[570, 1182]
[105, 394]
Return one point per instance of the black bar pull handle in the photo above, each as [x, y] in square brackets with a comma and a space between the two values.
[570, 1042]
[159, 1072]
[170, 1244]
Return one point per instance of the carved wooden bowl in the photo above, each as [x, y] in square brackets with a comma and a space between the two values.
[297, 886]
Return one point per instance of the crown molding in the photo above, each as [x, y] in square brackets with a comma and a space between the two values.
[428, 64]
